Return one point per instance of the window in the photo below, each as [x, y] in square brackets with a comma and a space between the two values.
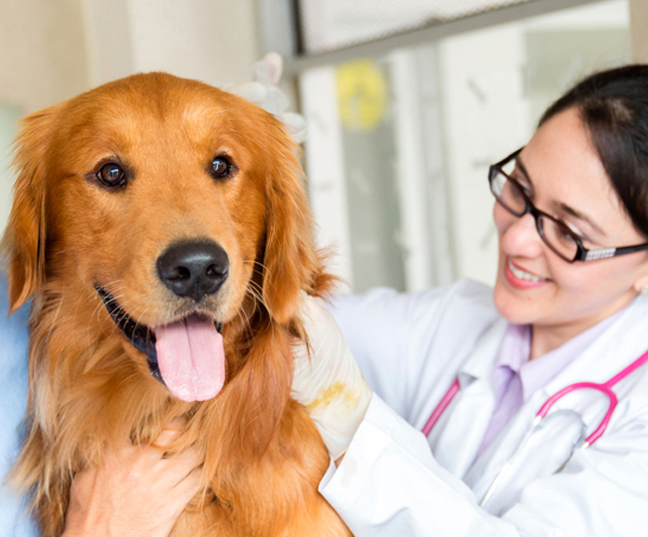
[401, 137]
[337, 24]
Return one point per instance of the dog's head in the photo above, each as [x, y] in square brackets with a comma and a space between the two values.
[181, 205]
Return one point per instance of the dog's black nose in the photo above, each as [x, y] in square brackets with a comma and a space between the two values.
[193, 268]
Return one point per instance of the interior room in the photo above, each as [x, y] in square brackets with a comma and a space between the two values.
[404, 112]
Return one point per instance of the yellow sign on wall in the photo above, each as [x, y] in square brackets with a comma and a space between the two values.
[362, 95]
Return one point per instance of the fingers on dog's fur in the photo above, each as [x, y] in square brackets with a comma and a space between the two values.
[24, 240]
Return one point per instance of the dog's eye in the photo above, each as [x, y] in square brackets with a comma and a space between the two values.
[221, 167]
[112, 175]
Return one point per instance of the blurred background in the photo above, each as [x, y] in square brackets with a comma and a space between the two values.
[407, 102]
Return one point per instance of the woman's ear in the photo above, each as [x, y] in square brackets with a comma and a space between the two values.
[23, 243]
[290, 261]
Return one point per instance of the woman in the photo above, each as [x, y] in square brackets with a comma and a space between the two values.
[566, 308]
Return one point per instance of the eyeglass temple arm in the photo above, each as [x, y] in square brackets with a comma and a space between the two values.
[630, 249]
[605, 253]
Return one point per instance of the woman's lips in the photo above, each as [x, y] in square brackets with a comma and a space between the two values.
[521, 279]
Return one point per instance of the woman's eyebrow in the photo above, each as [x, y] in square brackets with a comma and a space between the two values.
[563, 206]
[580, 216]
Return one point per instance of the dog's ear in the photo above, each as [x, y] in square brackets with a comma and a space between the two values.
[290, 262]
[24, 238]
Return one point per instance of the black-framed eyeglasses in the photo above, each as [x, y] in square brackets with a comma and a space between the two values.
[510, 194]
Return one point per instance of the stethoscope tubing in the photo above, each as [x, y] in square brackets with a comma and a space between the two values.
[440, 408]
[605, 388]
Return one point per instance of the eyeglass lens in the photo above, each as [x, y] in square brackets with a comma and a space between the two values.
[555, 234]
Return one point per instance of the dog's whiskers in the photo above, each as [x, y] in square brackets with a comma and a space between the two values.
[264, 268]
[254, 262]
[255, 290]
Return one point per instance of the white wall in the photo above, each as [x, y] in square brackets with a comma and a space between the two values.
[43, 58]
[638, 26]
[215, 41]
[43, 61]
[55, 49]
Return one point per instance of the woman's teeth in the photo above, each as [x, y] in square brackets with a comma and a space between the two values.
[524, 275]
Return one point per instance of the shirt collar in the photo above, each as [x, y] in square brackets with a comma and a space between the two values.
[516, 347]
[535, 374]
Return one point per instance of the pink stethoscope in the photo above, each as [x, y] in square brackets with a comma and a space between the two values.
[605, 388]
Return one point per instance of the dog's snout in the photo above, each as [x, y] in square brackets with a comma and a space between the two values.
[193, 268]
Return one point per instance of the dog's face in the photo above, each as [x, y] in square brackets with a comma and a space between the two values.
[176, 203]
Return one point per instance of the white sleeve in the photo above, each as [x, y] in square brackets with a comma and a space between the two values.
[389, 484]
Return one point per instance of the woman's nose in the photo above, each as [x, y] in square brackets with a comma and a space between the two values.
[518, 235]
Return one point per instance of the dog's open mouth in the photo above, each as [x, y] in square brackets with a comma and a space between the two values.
[186, 355]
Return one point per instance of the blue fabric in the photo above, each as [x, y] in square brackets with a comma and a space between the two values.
[14, 332]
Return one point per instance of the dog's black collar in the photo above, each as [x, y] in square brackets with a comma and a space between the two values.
[139, 335]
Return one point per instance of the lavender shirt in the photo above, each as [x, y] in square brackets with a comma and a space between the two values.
[515, 379]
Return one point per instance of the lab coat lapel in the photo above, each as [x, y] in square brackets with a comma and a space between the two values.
[482, 473]
[458, 434]
[621, 344]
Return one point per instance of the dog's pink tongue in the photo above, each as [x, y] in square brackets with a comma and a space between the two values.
[191, 358]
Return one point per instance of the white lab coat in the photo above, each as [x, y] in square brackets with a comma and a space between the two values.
[395, 482]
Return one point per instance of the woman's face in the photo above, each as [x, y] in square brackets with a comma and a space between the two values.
[565, 178]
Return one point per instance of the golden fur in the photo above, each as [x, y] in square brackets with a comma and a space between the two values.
[89, 386]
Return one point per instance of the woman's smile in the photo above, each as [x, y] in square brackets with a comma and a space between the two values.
[522, 279]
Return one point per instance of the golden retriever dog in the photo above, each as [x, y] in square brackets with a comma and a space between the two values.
[161, 229]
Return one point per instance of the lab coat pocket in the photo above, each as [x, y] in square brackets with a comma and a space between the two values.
[543, 451]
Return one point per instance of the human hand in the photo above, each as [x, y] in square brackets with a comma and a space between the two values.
[328, 382]
[264, 92]
[137, 492]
